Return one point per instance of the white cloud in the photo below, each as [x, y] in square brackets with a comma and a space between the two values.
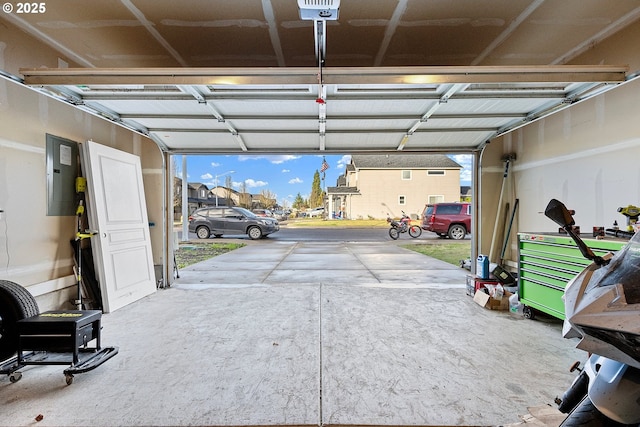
[461, 159]
[253, 183]
[206, 176]
[286, 170]
[275, 159]
[344, 160]
[464, 160]
[295, 180]
[214, 164]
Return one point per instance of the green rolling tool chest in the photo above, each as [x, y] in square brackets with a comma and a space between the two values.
[546, 264]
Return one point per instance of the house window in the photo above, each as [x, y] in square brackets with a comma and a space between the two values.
[203, 194]
[406, 174]
[401, 200]
[435, 199]
[435, 172]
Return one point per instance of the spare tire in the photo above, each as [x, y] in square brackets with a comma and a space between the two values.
[16, 303]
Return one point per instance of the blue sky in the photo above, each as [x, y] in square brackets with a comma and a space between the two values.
[282, 175]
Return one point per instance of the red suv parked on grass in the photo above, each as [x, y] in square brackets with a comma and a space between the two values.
[448, 219]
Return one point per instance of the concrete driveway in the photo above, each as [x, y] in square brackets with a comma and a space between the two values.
[308, 333]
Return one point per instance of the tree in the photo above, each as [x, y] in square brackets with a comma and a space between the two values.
[267, 199]
[228, 190]
[298, 202]
[245, 198]
[316, 199]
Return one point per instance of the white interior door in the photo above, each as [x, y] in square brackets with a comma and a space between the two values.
[117, 211]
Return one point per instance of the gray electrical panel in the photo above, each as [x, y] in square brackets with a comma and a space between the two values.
[62, 171]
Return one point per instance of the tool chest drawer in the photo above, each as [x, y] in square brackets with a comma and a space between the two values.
[547, 262]
[59, 331]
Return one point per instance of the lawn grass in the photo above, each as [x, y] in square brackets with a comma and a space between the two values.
[451, 252]
[191, 253]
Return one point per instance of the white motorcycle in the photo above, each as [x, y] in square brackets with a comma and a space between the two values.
[602, 308]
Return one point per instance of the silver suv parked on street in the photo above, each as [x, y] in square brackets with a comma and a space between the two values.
[221, 220]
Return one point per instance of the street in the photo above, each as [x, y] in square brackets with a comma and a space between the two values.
[293, 233]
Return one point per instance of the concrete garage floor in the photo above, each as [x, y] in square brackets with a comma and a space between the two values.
[307, 333]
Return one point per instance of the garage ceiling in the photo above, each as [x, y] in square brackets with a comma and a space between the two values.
[244, 76]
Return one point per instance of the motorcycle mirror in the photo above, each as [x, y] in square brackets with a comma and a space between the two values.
[558, 213]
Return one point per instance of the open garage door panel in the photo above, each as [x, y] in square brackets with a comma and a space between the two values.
[244, 111]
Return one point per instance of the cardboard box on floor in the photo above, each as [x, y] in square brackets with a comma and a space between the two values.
[484, 300]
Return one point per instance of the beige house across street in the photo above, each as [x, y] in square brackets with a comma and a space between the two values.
[374, 186]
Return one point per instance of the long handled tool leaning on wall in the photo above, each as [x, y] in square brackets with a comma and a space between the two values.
[506, 182]
[78, 242]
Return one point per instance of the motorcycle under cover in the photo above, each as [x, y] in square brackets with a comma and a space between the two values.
[603, 305]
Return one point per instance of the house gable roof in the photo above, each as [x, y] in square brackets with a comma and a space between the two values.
[196, 185]
[342, 190]
[403, 161]
[222, 187]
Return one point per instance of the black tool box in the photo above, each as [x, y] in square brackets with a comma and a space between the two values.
[59, 338]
